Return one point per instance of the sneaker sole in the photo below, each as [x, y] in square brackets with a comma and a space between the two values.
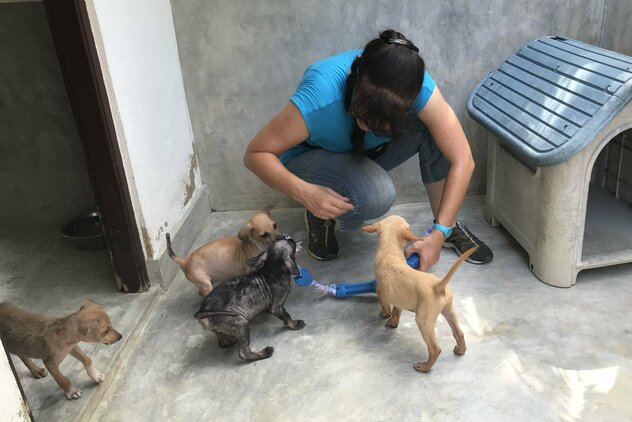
[459, 253]
[316, 257]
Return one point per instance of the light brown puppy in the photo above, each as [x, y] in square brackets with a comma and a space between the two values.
[29, 335]
[224, 259]
[403, 287]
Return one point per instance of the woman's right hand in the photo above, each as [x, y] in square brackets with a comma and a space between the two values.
[323, 202]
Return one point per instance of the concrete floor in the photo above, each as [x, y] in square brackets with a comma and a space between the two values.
[41, 272]
[535, 352]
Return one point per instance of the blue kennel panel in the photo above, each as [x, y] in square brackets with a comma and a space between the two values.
[549, 99]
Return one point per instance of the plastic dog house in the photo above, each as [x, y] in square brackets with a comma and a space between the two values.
[559, 168]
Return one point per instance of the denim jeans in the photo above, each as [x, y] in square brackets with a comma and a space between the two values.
[366, 181]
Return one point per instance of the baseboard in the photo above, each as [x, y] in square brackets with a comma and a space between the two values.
[163, 269]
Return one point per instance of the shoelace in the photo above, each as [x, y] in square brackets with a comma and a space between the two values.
[327, 224]
[316, 233]
[468, 234]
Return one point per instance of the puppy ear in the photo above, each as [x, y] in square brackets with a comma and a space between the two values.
[410, 236]
[258, 261]
[371, 228]
[88, 302]
[267, 209]
[291, 265]
[244, 233]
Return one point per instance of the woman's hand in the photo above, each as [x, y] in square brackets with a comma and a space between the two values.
[323, 202]
[428, 249]
[284, 131]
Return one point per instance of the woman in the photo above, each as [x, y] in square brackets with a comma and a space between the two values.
[355, 116]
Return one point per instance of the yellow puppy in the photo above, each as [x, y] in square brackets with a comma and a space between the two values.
[403, 287]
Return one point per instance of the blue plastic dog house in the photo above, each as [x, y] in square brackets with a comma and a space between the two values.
[559, 163]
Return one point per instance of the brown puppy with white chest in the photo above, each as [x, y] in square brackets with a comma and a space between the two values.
[226, 258]
[28, 335]
[404, 287]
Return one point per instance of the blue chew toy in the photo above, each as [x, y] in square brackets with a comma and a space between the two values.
[343, 290]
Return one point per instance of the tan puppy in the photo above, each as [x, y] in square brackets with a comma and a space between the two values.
[28, 335]
[403, 287]
[224, 259]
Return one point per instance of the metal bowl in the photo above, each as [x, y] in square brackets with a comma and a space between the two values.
[85, 232]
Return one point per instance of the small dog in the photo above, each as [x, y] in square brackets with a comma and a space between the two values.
[406, 288]
[227, 258]
[229, 308]
[29, 335]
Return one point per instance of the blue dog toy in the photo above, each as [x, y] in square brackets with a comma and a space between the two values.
[343, 290]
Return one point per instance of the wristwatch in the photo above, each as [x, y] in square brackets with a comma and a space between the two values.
[446, 230]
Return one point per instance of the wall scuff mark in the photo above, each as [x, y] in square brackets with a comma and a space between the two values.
[190, 186]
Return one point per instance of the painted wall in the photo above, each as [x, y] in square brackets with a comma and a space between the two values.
[618, 28]
[242, 60]
[139, 57]
[43, 175]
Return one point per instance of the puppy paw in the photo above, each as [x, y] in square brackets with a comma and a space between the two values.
[95, 375]
[205, 290]
[40, 373]
[73, 393]
[296, 324]
[459, 350]
[422, 367]
[267, 352]
[385, 314]
[391, 323]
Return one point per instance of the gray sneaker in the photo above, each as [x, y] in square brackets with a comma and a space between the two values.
[462, 239]
[322, 244]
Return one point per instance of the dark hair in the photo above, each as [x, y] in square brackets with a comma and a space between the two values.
[382, 84]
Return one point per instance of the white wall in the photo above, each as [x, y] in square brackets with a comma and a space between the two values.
[139, 57]
[11, 409]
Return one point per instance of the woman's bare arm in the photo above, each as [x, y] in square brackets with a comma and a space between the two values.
[449, 137]
[285, 130]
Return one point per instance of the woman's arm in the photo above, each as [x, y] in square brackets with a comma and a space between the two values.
[285, 130]
[449, 137]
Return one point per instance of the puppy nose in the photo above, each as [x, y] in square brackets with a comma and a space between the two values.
[119, 336]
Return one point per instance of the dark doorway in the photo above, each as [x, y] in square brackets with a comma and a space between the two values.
[81, 70]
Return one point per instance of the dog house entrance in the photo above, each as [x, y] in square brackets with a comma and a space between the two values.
[608, 228]
[555, 105]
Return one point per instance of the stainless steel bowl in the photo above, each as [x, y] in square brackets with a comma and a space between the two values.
[85, 232]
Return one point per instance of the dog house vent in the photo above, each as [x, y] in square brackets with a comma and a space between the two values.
[551, 108]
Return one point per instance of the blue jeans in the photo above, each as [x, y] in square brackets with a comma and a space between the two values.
[366, 181]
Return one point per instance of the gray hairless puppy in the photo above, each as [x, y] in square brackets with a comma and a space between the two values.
[231, 305]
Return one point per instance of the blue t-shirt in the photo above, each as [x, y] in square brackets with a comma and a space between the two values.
[320, 99]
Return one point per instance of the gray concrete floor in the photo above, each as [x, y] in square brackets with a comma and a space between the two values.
[535, 352]
[41, 272]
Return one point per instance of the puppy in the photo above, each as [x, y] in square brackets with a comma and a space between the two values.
[226, 258]
[229, 308]
[30, 335]
[403, 287]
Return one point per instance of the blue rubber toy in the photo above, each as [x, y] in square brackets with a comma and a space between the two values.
[343, 290]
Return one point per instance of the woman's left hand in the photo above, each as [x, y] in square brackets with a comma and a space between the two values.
[428, 249]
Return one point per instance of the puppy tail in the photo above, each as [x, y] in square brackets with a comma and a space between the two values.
[206, 314]
[202, 314]
[180, 261]
[440, 287]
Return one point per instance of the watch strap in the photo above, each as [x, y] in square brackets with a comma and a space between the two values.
[446, 230]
